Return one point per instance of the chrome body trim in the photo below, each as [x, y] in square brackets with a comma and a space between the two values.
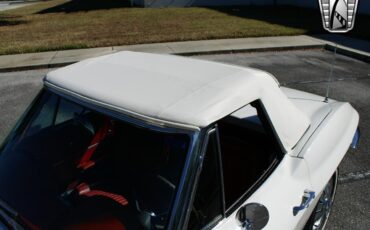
[356, 138]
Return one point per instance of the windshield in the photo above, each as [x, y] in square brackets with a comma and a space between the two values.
[68, 167]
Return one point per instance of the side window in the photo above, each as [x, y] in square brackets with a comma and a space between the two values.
[53, 111]
[45, 117]
[207, 205]
[248, 150]
[66, 111]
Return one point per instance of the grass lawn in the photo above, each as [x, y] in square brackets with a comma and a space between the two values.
[62, 24]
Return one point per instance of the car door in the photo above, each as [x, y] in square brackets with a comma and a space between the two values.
[280, 193]
[248, 167]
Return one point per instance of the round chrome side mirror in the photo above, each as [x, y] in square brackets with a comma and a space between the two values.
[253, 216]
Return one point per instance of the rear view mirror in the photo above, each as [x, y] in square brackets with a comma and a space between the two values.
[253, 216]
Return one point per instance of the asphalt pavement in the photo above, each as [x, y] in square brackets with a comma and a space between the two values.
[306, 70]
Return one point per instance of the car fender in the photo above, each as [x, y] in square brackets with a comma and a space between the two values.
[327, 146]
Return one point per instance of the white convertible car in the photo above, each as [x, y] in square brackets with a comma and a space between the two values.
[144, 141]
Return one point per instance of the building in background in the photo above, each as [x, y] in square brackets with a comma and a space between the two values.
[363, 5]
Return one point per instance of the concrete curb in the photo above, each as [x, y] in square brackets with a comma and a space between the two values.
[23, 2]
[359, 55]
[53, 59]
[249, 50]
[34, 67]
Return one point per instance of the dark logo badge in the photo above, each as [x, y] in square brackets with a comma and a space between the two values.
[338, 16]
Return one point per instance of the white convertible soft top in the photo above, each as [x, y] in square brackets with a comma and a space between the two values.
[179, 91]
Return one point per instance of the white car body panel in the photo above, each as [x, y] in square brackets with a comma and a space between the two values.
[326, 148]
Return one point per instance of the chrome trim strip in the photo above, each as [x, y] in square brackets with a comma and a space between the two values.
[221, 169]
[200, 158]
[181, 200]
[313, 132]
